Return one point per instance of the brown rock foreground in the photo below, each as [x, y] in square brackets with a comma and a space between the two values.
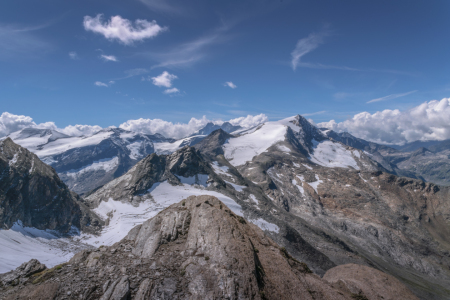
[198, 249]
[372, 283]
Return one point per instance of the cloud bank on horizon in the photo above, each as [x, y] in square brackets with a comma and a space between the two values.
[427, 121]
[10, 123]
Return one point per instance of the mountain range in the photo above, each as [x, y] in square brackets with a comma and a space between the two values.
[326, 199]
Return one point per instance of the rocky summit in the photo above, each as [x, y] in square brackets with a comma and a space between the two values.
[195, 249]
[32, 193]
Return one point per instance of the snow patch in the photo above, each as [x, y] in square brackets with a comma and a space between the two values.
[331, 155]
[220, 170]
[253, 198]
[13, 161]
[299, 186]
[283, 148]
[107, 164]
[308, 167]
[134, 149]
[264, 225]
[316, 183]
[238, 188]
[199, 179]
[243, 148]
[19, 244]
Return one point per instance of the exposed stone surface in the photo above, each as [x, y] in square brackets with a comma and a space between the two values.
[31, 191]
[154, 168]
[373, 284]
[196, 249]
[22, 272]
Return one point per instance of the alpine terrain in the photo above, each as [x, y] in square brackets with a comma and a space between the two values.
[283, 210]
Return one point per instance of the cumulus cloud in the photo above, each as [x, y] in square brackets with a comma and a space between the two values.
[249, 121]
[109, 58]
[427, 121]
[10, 123]
[230, 84]
[164, 80]
[306, 45]
[180, 130]
[123, 30]
[171, 91]
[73, 55]
[80, 130]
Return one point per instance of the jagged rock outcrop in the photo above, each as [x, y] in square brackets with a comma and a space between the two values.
[31, 192]
[186, 162]
[21, 273]
[195, 249]
[212, 144]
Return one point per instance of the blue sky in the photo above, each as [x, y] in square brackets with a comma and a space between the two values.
[324, 59]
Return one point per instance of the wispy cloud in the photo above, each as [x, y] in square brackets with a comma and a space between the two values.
[390, 97]
[22, 42]
[230, 84]
[189, 53]
[171, 91]
[123, 30]
[313, 41]
[306, 45]
[314, 113]
[73, 55]
[162, 6]
[109, 58]
[102, 84]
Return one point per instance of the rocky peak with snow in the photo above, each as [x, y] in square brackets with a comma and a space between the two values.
[210, 127]
[212, 144]
[32, 194]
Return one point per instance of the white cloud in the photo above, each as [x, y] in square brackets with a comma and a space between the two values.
[164, 80]
[10, 123]
[109, 58]
[249, 120]
[390, 97]
[79, 130]
[99, 83]
[230, 84]
[427, 121]
[306, 45]
[123, 30]
[171, 91]
[73, 55]
[180, 130]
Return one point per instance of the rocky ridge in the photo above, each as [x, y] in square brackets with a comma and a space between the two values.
[32, 193]
[195, 249]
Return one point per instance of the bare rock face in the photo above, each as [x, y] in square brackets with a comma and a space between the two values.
[373, 284]
[22, 272]
[195, 249]
[154, 168]
[31, 192]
